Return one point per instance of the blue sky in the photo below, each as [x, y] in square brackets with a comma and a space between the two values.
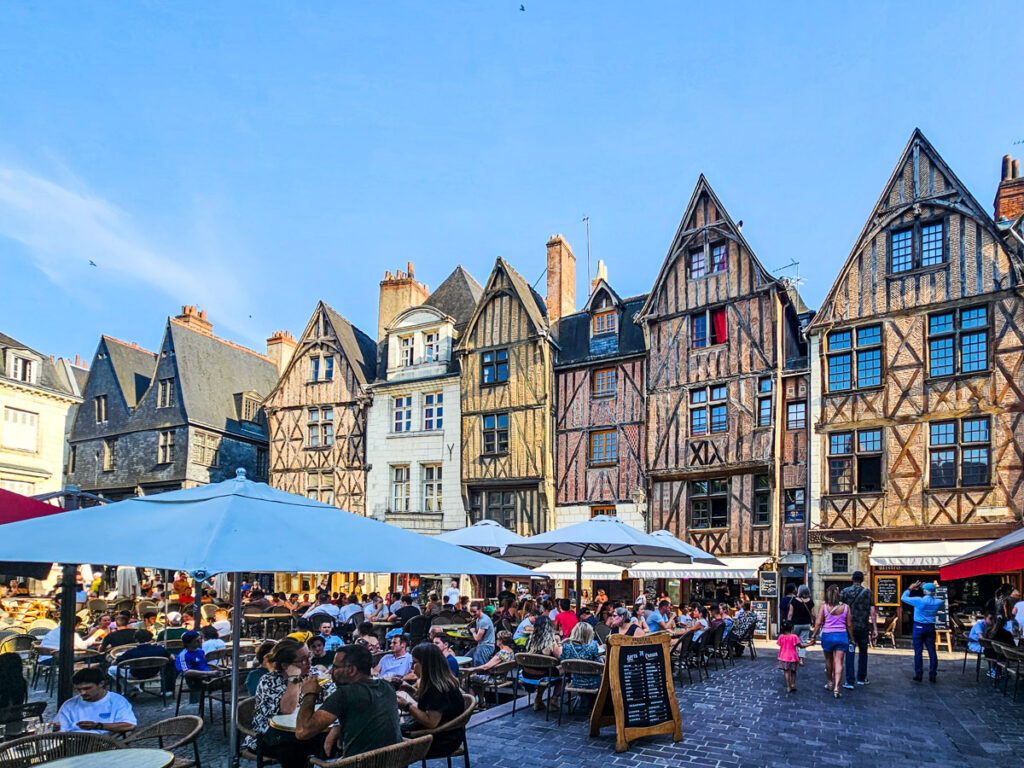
[255, 157]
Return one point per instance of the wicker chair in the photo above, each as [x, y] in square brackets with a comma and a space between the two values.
[578, 667]
[497, 678]
[243, 723]
[47, 747]
[208, 610]
[399, 755]
[455, 724]
[141, 672]
[888, 632]
[171, 734]
[546, 681]
[46, 624]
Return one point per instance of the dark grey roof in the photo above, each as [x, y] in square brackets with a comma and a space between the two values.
[532, 300]
[359, 349]
[457, 297]
[212, 371]
[133, 366]
[81, 376]
[797, 300]
[49, 378]
[573, 335]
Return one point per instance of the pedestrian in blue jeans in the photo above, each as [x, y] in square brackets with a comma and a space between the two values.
[925, 610]
[863, 616]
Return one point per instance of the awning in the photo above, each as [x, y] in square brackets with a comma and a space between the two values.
[593, 570]
[733, 568]
[1003, 554]
[919, 554]
[793, 558]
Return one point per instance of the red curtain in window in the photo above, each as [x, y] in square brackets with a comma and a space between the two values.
[719, 325]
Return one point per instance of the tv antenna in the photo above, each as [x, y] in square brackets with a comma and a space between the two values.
[790, 279]
[586, 220]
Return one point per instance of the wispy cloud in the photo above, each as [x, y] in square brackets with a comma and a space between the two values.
[65, 226]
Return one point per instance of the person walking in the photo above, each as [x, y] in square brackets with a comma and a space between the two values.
[788, 660]
[863, 618]
[834, 625]
[925, 610]
[801, 614]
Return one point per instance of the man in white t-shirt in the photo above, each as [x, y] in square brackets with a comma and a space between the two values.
[95, 709]
[452, 593]
[52, 640]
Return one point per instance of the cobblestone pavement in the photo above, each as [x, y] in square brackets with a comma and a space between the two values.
[744, 718]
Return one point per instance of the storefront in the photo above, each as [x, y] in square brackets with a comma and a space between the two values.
[736, 578]
[613, 579]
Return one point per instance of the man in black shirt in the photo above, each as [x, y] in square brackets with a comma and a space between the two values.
[123, 635]
[407, 611]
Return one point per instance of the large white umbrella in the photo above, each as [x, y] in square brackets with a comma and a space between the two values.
[487, 536]
[127, 581]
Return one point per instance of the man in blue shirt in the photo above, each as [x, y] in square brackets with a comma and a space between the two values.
[925, 610]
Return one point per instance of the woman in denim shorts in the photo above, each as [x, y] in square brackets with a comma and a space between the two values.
[836, 629]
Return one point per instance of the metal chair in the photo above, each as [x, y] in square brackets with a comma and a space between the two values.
[968, 652]
[578, 667]
[47, 747]
[455, 724]
[19, 713]
[171, 734]
[140, 672]
[416, 628]
[546, 681]
[399, 755]
[497, 678]
[243, 724]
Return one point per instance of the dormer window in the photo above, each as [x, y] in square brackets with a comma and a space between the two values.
[604, 322]
[24, 369]
[321, 368]
[431, 347]
[406, 349]
[250, 408]
[165, 393]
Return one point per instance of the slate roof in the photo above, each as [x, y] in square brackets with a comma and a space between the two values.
[533, 301]
[133, 367]
[211, 372]
[359, 349]
[49, 377]
[457, 297]
[572, 333]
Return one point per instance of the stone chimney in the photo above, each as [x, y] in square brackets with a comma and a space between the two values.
[280, 348]
[398, 292]
[195, 318]
[1009, 202]
[602, 274]
[561, 298]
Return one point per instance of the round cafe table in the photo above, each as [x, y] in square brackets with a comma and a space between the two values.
[118, 758]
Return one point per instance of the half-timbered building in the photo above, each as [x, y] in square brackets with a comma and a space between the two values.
[720, 331]
[916, 360]
[506, 358]
[317, 413]
[600, 412]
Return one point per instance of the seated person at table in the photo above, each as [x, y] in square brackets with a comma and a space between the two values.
[438, 700]
[191, 661]
[211, 640]
[661, 619]
[506, 652]
[263, 666]
[521, 632]
[407, 611]
[377, 611]
[743, 625]
[366, 709]
[331, 641]
[145, 649]
[508, 612]
[94, 709]
[442, 643]
[318, 657]
[397, 664]
[581, 645]
[258, 602]
[104, 626]
[174, 629]
[483, 633]
[984, 628]
[323, 604]
[147, 622]
[365, 637]
[622, 623]
[221, 622]
[13, 688]
[543, 641]
[587, 615]
[433, 606]
[303, 631]
[52, 640]
[350, 609]
[122, 635]
[566, 617]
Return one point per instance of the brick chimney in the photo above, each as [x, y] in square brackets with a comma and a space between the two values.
[398, 292]
[1009, 202]
[561, 298]
[280, 348]
[195, 318]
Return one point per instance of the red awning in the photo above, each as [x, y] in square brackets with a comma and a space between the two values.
[999, 556]
[15, 507]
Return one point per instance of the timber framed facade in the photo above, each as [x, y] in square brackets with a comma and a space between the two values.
[916, 363]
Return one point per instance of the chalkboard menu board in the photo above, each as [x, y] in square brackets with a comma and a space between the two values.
[942, 616]
[887, 591]
[768, 584]
[760, 609]
[637, 695]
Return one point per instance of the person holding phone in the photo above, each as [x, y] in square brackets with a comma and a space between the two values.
[94, 709]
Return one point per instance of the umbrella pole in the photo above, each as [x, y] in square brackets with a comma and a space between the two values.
[66, 658]
[579, 584]
[197, 596]
[236, 626]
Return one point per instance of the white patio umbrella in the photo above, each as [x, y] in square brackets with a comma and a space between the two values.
[602, 538]
[487, 536]
[127, 581]
[231, 527]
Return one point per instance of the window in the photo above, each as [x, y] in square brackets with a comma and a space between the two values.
[405, 346]
[603, 447]
[403, 413]
[795, 505]
[494, 366]
[496, 433]
[100, 408]
[320, 427]
[604, 382]
[72, 458]
[165, 447]
[400, 488]
[250, 408]
[165, 393]
[604, 322]
[433, 410]
[501, 507]
[110, 454]
[606, 511]
[320, 486]
[958, 342]
[709, 504]
[21, 430]
[855, 461]
[432, 487]
[855, 358]
[762, 500]
[764, 403]
[262, 462]
[314, 368]
[24, 370]
[700, 265]
[206, 449]
[712, 417]
[796, 415]
[329, 368]
[958, 453]
[709, 328]
[431, 347]
[321, 367]
[840, 562]
[922, 245]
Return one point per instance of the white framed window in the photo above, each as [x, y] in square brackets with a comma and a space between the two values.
[431, 347]
[431, 487]
[400, 488]
[24, 369]
[21, 430]
[165, 447]
[433, 410]
[406, 346]
[206, 449]
[320, 427]
[165, 393]
[321, 367]
[403, 413]
[100, 408]
[250, 409]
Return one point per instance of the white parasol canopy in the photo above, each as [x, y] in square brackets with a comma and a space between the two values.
[487, 536]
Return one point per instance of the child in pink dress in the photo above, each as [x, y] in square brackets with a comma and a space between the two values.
[789, 661]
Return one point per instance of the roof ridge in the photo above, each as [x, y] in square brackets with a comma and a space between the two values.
[132, 345]
[227, 342]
